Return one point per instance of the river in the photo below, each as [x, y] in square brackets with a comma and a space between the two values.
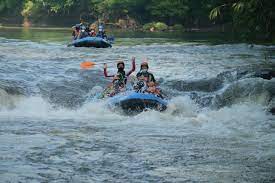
[217, 127]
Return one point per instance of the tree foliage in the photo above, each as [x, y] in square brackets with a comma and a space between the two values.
[10, 6]
[250, 17]
[169, 11]
[247, 16]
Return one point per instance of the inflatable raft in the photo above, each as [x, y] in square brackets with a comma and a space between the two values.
[133, 102]
[97, 42]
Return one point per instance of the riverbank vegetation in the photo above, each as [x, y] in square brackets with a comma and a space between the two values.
[248, 19]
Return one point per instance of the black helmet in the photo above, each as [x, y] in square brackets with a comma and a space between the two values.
[144, 64]
[120, 62]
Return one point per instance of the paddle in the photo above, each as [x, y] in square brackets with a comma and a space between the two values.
[90, 64]
[87, 65]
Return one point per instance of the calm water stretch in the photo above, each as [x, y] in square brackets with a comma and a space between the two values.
[217, 127]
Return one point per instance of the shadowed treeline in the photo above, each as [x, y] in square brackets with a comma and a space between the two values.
[249, 19]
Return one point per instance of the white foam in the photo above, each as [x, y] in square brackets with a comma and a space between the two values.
[179, 108]
[37, 108]
[239, 119]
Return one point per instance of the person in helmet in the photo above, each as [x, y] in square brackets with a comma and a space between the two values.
[76, 32]
[101, 32]
[120, 71]
[119, 79]
[83, 27]
[81, 30]
[146, 81]
[92, 30]
[115, 87]
[144, 75]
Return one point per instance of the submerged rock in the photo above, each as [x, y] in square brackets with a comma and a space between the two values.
[67, 97]
[204, 85]
[8, 101]
[212, 84]
[266, 75]
[66, 94]
[14, 87]
[251, 89]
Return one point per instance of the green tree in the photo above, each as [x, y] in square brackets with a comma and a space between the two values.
[168, 11]
[10, 6]
[250, 17]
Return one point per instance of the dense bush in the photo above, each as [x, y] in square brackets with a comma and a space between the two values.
[247, 17]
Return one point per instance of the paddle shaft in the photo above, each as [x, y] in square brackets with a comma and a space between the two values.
[89, 64]
[101, 62]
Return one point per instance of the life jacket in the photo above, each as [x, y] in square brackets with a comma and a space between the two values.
[122, 76]
[92, 33]
[147, 76]
[84, 27]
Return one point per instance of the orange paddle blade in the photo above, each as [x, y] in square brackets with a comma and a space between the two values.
[87, 64]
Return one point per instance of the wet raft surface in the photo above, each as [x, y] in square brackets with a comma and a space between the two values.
[216, 128]
[131, 102]
[96, 42]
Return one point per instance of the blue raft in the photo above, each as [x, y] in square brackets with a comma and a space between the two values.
[133, 102]
[97, 42]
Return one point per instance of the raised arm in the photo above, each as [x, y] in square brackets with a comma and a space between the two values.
[133, 66]
[105, 71]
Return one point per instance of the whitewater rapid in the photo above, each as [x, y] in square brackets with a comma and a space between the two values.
[217, 127]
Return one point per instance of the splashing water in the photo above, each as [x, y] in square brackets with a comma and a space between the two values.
[216, 127]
